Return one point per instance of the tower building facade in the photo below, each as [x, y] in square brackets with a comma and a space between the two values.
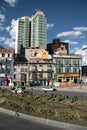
[22, 35]
[31, 32]
[38, 29]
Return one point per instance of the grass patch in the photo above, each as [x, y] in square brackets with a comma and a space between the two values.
[59, 108]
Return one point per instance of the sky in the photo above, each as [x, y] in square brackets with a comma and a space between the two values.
[66, 20]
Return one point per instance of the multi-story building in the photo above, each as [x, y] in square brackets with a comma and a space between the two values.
[84, 56]
[38, 29]
[67, 68]
[57, 47]
[6, 66]
[22, 34]
[41, 67]
[20, 73]
[31, 32]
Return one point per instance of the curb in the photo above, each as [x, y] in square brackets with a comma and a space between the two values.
[56, 124]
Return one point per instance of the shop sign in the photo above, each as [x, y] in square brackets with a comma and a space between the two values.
[68, 75]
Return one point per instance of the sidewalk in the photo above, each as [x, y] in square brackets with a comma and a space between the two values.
[43, 121]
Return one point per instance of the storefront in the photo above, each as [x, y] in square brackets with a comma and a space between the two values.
[3, 81]
[68, 77]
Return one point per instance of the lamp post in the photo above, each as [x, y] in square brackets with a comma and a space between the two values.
[81, 77]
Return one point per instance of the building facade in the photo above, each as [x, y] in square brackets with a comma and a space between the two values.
[31, 32]
[20, 73]
[57, 47]
[40, 65]
[67, 68]
[6, 66]
[38, 29]
[84, 56]
[22, 33]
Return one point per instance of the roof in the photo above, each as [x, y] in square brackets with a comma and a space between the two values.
[6, 50]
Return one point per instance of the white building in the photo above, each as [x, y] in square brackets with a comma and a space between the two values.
[84, 56]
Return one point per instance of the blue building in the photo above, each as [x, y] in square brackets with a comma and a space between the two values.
[67, 68]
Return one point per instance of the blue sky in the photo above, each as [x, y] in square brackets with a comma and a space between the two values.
[67, 20]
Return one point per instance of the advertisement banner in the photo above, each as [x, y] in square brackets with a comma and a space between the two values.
[39, 55]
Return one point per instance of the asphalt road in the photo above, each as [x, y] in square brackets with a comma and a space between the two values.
[80, 95]
[8, 122]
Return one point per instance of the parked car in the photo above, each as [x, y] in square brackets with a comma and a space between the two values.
[48, 88]
[16, 90]
[19, 90]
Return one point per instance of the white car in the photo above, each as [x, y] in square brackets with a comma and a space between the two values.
[16, 90]
[19, 91]
[48, 88]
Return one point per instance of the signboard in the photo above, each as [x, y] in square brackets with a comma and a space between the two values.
[68, 75]
[39, 55]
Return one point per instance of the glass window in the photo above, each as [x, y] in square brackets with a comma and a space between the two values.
[60, 70]
[3, 55]
[14, 69]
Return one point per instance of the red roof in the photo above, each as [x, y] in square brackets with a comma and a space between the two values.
[6, 51]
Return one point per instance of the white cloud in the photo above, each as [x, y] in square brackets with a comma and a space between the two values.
[84, 46]
[2, 20]
[80, 28]
[69, 33]
[8, 41]
[49, 26]
[2, 8]
[82, 52]
[76, 33]
[2, 17]
[2, 38]
[11, 2]
[75, 50]
[70, 42]
[12, 29]
[12, 32]
[67, 41]
[78, 51]
[64, 34]
[1, 27]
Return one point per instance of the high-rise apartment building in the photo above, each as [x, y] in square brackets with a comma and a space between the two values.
[22, 36]
[38, 29]
[31, 32]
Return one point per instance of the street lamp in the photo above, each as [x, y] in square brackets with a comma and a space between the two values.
[81, 76]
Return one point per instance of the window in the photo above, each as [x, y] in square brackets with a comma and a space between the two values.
[67, 62]
[22, 69]
[60, 70]
[75, 62]
[14, 69]
[14, 76]
[67, 70]
[25, 69]
[60, 62]
[75, 70]
[49, 66]
[3, 55]
[8, 55]
[62, 48]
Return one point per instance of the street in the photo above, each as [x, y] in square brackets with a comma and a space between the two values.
[8, 122]
[67, 92]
